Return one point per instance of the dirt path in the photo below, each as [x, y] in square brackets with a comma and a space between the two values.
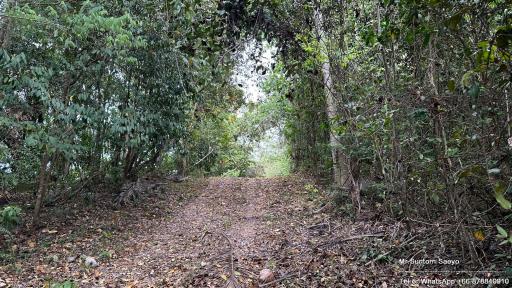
[184, 250]
[270, 225]
[221, 235]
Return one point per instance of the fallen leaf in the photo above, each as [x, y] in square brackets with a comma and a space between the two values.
[479, 235]
[31, 244]
[266, 275]
[40, 269]
[97, 274]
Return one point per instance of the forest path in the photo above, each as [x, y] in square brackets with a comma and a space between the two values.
[192, 248]
[205, 233]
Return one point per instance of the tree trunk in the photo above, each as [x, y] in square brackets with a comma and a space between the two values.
[42, 189]
[182, 166]
[5, 25]
[131, 157]
[339, 161]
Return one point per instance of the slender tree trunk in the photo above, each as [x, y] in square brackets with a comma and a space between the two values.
[444, 161]
[96, 158]
[4, 32]
[99, 137]
[396, 175]
[340, 174]
[5, 25]
[116, 158]
[508, 115]
[182, 166]
[42, 189]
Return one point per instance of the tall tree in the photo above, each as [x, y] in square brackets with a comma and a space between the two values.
[339, 165]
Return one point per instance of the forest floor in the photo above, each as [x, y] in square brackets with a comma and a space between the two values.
[214, 232]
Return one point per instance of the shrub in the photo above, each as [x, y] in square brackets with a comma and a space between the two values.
[10, 217]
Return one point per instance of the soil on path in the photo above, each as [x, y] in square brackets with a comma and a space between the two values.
[236, 228]
[222, 236]
[194, 247]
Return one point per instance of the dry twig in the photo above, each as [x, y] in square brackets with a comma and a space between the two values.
[231, 282]
[337, 240]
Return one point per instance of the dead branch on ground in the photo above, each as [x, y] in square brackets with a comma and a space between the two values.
[231, 282]
[339, 240]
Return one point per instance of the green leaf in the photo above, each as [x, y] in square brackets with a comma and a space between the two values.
[474, 91]
[410, 37]
[454, 22]
[434, 197]
[502, 232]
[369, 37]
[426, 38]
[472, 171]
[499, 191]
[504, 37]
[31, 140]
[452, 152]
[466, 78]
[69, 44]
[451, 85]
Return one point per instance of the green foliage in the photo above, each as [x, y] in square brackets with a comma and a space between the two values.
[65, 284]
[232, 173]
[296, 105]
[422, 97]
[106, 89]
[499, 194]
[105, 255]
[22, 171]
[503, 234]
[219, 143]
[310, 188]
[276, 164]
[6, 258]
[4, 232]
[111, 89]
[10, 217]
